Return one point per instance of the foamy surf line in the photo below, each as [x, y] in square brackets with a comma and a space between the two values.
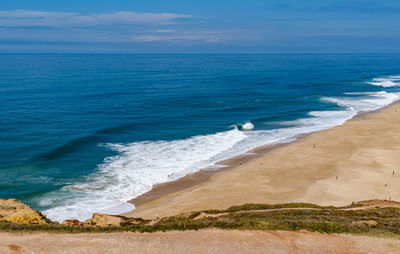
[386, 82]
[141, 165]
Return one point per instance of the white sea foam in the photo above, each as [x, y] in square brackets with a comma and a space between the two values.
[248, 126]
[386, 82]
[136, 168]
[373, 101]
[323, 119]
[140, 165]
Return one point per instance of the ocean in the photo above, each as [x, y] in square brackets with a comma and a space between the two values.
[85, 133]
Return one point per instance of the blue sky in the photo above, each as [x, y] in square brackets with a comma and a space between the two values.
[177, 26]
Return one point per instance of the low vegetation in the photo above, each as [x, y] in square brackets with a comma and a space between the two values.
[360, 218]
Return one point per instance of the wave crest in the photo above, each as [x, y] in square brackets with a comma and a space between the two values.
[386, 82]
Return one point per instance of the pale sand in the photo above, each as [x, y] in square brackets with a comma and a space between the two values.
[362, 153]
[207, 241]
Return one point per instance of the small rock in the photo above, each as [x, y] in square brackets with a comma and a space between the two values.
[104, 220]
[73, 223]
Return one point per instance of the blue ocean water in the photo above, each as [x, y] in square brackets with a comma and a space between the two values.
[85, 133]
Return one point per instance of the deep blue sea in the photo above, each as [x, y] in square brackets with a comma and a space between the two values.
[85, 133]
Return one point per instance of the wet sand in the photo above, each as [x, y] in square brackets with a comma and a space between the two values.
[347, 163]
[203, 241]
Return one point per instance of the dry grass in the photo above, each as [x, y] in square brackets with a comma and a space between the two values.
[353, 219]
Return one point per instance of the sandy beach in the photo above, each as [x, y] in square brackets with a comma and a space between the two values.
[358, 160]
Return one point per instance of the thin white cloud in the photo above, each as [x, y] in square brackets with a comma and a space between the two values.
[77, 27]
[54, 19]
[165, 31]
[124, 17]
[25, 14]
[181, 36]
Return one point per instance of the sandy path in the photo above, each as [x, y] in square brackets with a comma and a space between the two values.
[347, 163]
[203, 241]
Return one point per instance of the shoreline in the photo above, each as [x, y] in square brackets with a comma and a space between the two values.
[204, 174]
[180, 186]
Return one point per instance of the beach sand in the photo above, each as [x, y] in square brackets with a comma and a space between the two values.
[358, 160]
[202, 241]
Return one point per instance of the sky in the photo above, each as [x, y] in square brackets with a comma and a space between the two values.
[207, 26]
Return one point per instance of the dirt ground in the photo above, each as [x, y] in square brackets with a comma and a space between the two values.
[203, 241]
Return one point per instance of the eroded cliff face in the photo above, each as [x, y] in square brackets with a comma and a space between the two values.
[15, 211]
